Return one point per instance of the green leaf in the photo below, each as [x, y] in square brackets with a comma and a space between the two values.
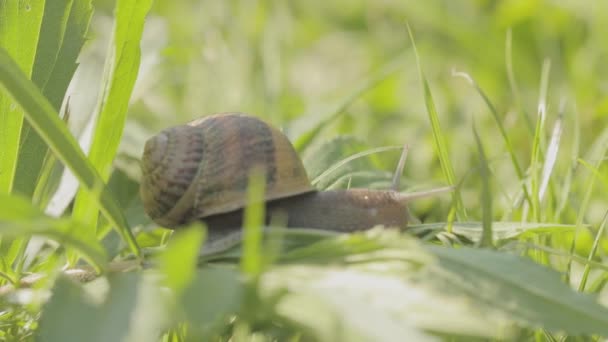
[532, 294]
[19, 27]
[120, 73]
[62, 35]
[212, 296]
[45, 120]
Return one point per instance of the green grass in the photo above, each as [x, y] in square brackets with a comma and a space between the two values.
[518, 252]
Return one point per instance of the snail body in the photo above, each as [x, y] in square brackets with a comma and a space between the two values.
[200, 171]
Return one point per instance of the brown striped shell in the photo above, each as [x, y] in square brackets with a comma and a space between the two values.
[202, 168]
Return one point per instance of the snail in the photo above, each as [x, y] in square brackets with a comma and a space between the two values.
[200, 171]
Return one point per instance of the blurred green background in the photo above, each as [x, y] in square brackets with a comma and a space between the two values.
[294, 62]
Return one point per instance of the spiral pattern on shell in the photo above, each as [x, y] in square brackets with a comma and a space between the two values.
[202, 168]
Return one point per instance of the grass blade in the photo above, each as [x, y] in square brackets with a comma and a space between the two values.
[538, 141]
[438, 136]
[592, 253]
[503, 132]
[252, 226]
[19, 28]
[62, 35]
[178, 260]
[551, 157]
[355, 156]
[486, 194]
[45, 120]
[122, 66]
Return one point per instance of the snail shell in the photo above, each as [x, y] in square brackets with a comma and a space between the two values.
[201, 169]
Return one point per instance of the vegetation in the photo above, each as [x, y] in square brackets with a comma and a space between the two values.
[507, 100]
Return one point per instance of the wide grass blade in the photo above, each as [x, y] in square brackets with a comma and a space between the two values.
[45, 120]
[120, 73]
[533, 295]
[62, 35]
[19, 31]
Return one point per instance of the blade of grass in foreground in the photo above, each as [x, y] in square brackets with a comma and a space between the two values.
[19, 30]
[438, 136]
[178, 260]
[120, 73]
[45, 120]
[252, 260]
